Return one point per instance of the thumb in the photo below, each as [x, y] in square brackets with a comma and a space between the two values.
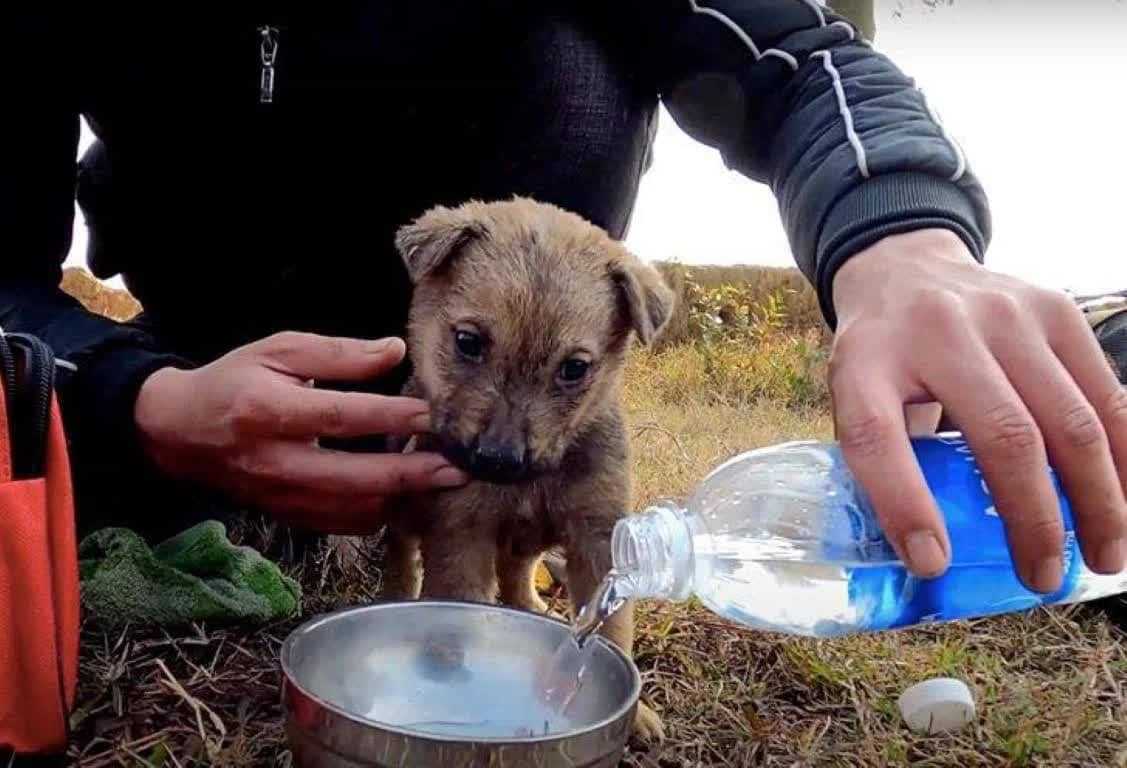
[308, 356]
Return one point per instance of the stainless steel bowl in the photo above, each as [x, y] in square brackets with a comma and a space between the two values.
[447, 684]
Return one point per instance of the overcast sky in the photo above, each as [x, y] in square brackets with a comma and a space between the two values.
[1035, 92]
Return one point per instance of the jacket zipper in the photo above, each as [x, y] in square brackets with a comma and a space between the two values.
[268, 53]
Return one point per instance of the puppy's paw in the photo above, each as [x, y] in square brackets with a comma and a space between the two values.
[647, 724]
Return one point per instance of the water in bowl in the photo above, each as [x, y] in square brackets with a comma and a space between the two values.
[484, 692]
[436, 686]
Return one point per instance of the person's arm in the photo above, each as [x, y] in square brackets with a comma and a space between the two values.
[792, 96]
[889, 224]
[41, 83]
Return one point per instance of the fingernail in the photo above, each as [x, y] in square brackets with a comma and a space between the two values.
[420, 423]
[1048, 575]
[449, 477]
[379, 346]
[1112, 556]
[925, 555]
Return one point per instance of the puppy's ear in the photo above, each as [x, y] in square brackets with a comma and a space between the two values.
[430, 241]
[644, 295]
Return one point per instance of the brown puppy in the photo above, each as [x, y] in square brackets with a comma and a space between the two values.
[519, 327]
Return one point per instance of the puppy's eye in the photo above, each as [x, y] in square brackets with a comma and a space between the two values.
[469, 344]
[574, 370]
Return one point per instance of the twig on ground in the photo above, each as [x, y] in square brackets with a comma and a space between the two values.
[641, 429]
[197, 706]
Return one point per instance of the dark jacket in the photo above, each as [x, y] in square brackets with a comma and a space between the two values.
[230, 218]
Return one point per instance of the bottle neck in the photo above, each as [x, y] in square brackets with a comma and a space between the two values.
[654, 552]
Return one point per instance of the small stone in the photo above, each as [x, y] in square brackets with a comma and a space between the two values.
[938, 705]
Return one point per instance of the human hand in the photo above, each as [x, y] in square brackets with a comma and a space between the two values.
[248, 424]
[1020, 372]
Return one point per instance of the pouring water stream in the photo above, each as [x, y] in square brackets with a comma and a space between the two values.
[563, 674]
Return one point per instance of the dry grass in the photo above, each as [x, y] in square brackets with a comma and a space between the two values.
[786, 369]
[1050, 685]
[675, 443]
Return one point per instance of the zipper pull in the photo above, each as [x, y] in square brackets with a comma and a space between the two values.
[268, 51]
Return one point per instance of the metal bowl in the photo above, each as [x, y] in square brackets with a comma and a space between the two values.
[447, 684]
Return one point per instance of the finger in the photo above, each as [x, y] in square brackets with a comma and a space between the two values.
[305, 467]
[1104, 530]
[330, 358]
[304, 412]
[1009, 450]
[869, 414]
[1077, 348]
[1077, 446]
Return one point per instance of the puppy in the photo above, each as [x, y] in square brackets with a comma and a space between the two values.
[519, 327]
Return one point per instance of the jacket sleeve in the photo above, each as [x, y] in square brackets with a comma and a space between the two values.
[791, 96]
[37, 182]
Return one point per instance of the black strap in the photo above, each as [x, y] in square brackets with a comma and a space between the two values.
[29, 403]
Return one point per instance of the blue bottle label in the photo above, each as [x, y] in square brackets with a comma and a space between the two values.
[981, 580]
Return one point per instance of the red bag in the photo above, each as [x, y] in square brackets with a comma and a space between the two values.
[39, 600]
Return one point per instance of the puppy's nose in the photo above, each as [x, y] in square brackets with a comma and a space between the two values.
[496, 461]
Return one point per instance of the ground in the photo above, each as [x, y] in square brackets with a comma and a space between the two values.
[1050, 685]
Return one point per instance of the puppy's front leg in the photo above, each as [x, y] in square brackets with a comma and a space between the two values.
[403, 571]
[588, 562]
[517, 574]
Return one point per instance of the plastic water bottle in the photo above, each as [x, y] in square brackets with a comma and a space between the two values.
[783, 539]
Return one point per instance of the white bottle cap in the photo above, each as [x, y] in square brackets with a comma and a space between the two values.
[940, 704]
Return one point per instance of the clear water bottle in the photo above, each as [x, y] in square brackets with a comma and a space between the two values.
[782, 539]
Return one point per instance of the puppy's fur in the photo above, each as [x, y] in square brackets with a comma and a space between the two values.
[532, 289]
